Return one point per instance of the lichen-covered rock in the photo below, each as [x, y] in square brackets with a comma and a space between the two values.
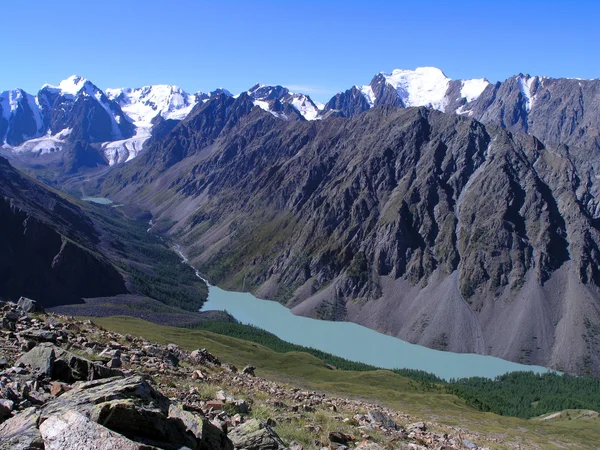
[71, 430]
[20, 432]
[255, 435]
[85, 395]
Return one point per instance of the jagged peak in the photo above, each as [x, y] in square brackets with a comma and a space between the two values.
[73, 86]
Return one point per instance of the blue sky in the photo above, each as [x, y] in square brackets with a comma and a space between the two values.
[316, 47]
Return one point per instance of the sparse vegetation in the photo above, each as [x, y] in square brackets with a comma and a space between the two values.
[155, 270]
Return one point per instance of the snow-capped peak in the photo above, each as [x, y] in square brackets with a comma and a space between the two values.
[424, 86]
[264, 96]
[143, 104]
[73, 86]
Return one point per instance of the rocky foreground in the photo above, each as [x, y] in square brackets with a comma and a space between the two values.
[67, 384]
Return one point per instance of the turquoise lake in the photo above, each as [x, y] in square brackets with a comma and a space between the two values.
[355, 342]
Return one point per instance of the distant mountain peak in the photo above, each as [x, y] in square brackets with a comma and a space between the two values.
[72, 86]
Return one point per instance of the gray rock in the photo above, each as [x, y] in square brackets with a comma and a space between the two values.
[85, 395]
[29, 306]
[208, 435]
[132, 418]
[420, 426]
[202, 356]
[379, 418]
[242, 406]
[255, 435]
[39, 335]
[20, 432]
[71, 430]
[6, 407]
[69, 367]
[41, 359]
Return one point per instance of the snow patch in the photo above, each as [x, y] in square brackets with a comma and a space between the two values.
[126, 149]
[424, 86]
[305, 106]
[367, 91]
[263, 105]
[41, 145]
[472, 89]
[525, 85]
[462, 111]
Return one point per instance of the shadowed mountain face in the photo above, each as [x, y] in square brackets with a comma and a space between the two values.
[428, 226]
[48, 247]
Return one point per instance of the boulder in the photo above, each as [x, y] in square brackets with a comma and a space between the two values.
[255, 435]
[57, 388]
[71, 430]
[29, 306]
[132, 419]
[36, 335]
[249, 370]
[417, 426]
[207, 435]
[20, 432]
[202, 356]
[85, 395]
[337, 437]
[41, 359]
[70, 367]
[6, 408]
[378, 418]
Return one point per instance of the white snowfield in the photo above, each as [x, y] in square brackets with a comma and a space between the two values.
[144, 104]
[425, 86]
[42, 145]
[141, 106]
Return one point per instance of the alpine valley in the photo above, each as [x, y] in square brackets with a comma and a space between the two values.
[462, 215]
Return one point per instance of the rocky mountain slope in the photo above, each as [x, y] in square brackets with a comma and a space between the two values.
[68, 384]
[428, 226]
[49, 247]
[445, 225]
[96, 259]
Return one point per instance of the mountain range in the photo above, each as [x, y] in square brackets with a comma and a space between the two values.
[458, 214]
